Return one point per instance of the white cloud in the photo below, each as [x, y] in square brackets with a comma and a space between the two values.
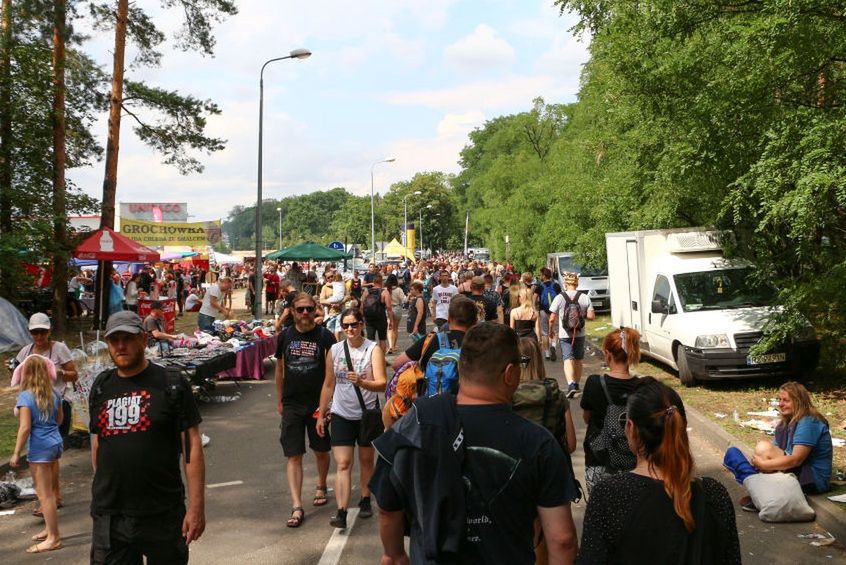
[481, 51]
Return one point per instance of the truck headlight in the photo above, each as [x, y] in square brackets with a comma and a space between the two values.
[712, 341]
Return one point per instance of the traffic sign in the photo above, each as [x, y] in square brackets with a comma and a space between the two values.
[336, 245]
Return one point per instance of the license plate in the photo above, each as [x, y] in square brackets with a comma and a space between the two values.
[766, 359]
[596, 303]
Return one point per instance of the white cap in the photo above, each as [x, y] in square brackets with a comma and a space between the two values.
[39, 321]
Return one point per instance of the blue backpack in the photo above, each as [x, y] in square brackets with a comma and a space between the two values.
[442, 368]
[547, 295]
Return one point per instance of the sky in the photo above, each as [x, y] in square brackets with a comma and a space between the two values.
[403, 79]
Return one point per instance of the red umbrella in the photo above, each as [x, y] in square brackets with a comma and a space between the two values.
[108, 245]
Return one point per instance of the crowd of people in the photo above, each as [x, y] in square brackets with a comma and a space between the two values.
[470, 453]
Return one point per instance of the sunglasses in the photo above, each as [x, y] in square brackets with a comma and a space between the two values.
[304, 309]
[350, 325]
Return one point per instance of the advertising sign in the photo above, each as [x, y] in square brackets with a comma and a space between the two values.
[154, 234]
[154, 211]
[168, 309]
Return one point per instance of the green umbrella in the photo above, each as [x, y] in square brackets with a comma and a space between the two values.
[306, 251]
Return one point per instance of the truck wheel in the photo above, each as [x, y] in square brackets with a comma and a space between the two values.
[685, 374]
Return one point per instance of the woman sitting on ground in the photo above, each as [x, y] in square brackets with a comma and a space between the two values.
[802, 443]
[659, 512]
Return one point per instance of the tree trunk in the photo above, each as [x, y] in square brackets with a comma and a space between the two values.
[112, 146]
[60, 244]
[6, 132]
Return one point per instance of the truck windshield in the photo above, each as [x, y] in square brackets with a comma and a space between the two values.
[721, 290]
[566, 265]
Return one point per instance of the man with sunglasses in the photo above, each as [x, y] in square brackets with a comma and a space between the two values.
[469, 474]
[303, 361]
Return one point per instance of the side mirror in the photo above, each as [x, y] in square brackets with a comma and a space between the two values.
[659, 307]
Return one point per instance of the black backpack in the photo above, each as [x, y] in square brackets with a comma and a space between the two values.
[610, 445]
[374, 308]
[572, 320]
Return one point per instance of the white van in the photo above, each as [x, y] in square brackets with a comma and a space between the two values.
[697, 311]
[593, 282]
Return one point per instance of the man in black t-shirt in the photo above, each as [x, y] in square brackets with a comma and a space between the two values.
[513, 470]
[462, 316]
[303, 360]
[141, 424]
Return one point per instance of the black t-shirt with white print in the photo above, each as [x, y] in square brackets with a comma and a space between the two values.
[139, 443]
[304, 355]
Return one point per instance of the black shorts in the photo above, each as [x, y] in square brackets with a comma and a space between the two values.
[120, 539]
[345, 432]
[297, 421]
[270, 296]
[374, 327]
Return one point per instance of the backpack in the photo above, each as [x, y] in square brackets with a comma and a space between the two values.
[374, 308]
[403, 388]
[544, 403]
[572, 319]
[610, 444]
[442, 368]
[547, 295]
[174, 389]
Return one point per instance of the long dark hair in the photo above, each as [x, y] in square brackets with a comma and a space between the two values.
[355, 312]
[658, 414]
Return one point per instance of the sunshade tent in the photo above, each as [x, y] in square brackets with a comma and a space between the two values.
[14, 329]
[306, 251]
[395, 249]
[106, 244]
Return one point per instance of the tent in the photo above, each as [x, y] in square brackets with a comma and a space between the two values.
[108, 245]
[14, 329]
[395, 249]
[224, 259]
[306, 251]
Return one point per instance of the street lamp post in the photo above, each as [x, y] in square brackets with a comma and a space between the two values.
[428, 207]
[280, 226]
[373, 208]
[405, 218]
[295, 54]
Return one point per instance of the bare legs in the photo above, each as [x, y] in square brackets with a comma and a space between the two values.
[573, 370]
[42, 475]
[343, 474]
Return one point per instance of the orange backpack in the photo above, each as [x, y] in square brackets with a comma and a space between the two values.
[405, 385]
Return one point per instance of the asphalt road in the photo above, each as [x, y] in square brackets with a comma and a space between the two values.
[247, 500]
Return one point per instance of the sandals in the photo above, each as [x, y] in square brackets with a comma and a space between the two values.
[39, 537]
[38, 549]
[320, 499]
[296, 521]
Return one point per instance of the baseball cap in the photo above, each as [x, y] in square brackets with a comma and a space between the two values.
[123, 321]
[39, 321]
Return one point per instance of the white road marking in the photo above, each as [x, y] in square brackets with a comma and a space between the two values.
[229, 484]
[335, 548]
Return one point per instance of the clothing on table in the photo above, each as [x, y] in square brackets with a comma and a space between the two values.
[304, 355]
[631, 519]
[345, 400]
[813, 433]
[139, 442]
[558, 307]
[442, 295]
[44, 434]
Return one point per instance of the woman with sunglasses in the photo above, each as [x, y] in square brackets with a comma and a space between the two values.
[42, 344]
[660, 512]
[621, 349]
[357, 376]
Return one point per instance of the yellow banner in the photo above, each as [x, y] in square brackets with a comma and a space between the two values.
[156, 234]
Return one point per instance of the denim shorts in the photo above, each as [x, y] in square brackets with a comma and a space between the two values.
[572, 349]
[205, 322]
[44, 454]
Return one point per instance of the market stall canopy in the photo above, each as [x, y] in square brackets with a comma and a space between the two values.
[224, 259]
[395, 249]
[108, 245]
[306, 251]
[178, 255]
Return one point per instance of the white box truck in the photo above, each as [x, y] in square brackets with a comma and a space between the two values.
[695, 310]
[593, 282]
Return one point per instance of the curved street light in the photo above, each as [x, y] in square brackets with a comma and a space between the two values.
[373, 208]
[295, 54]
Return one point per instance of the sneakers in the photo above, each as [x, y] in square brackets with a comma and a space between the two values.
[552, 352]
[572, 390]
[747, 505]
[339, 520]
[365, 510]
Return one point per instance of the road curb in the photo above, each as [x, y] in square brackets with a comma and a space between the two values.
[829, 515]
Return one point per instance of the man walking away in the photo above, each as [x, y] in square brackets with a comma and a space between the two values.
[142, 421]
[303, 359]
[481, 473]
[545, 293]
[570, 309]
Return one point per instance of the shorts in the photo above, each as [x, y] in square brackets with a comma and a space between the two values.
[297, 421]
[397, 315]
[205, 322]
[544, 323]
[374, 327]
[345, 432]
[572, 349]
[44, 454]
[270, 296]
[119, 539]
